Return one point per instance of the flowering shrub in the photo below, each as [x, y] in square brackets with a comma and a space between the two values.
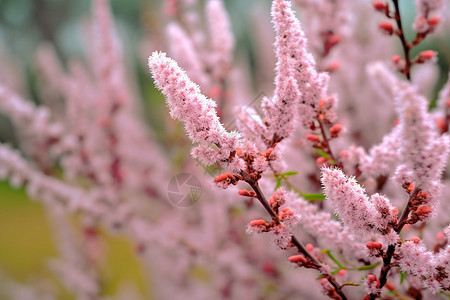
[352, 191]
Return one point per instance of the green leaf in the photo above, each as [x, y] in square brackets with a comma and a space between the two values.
[314, 197]
[335, 271]
[368, 267]
[287, 174]
[402, 276]
[278, 183]
[350, 283]
[328, 252]
[322, 153]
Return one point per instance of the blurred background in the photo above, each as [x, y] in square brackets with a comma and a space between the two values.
[25, 237]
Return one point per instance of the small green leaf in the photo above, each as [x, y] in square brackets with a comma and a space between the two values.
[350, 283]
[314, 197]
[278, 183]
[368, 267]
[322, 153]
[328, 252]
[287, 174]
[335, 271]
[402, 276]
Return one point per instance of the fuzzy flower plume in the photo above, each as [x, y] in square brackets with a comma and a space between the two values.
[221, 36]
[431, 268]
[280, 111]
[292, 48]
[424, 152]
[33, 121]
[329, 233]
[382, 158]
[183, 50]
[197, 112]
[359, 213]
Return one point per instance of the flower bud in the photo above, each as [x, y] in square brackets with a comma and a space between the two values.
[415, 240]
[313, 138]
[335, 129]
[380, 6]
[386, 27]
[374, 245]
[297, 259]
[259, 222]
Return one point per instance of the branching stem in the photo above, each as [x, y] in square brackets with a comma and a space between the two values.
[297, 243]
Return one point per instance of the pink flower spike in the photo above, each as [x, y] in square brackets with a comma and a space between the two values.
[197, 112]
[359, 214]
[292, 55]
[221, 37]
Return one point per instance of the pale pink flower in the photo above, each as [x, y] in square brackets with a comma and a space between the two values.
[197, 112]
[423, 152]
[372, 284]
[251, 126]
[359, 213]
[384, 157]
[221, 38]
[330, 233]
[183, 50]
[415, 259]
[281, 110]
[313, 85]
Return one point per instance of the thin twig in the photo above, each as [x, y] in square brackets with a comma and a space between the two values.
[296, 242]
[390, 251]
[406, 47]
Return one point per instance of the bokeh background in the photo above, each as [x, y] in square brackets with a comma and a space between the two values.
[25, 235]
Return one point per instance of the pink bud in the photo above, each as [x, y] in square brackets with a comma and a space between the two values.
[297, 259]
[386, 27]
[246, 193]
[433, 21]
[396, 59]
[415, 240]
[333, 66]
[333, 40]
[371, 277]
[427, 55]
[423, 210]
[390, 286]
[321, 160]
[374, 245]
[222, 177]
[378, 5]
[259, 222]
[335, 129]
[312, 137]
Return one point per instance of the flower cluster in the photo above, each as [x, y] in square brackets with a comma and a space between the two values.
[353, 197]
